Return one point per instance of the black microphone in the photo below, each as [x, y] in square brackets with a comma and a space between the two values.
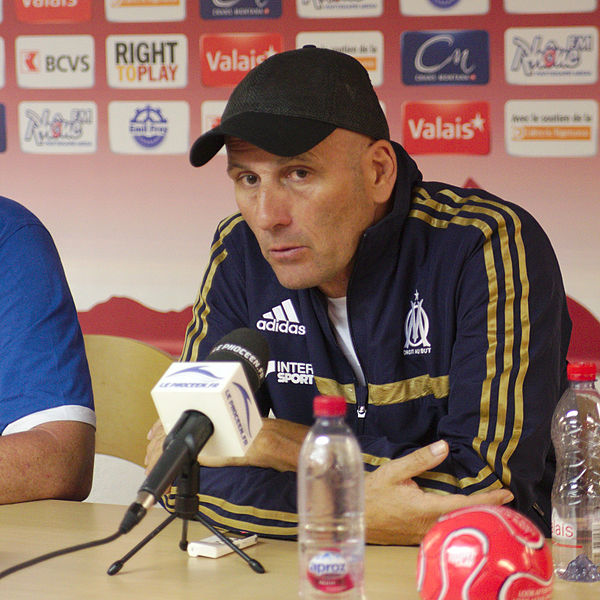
[194, 428]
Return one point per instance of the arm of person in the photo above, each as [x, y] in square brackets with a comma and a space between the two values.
[507, 369]
[46, 408]
[51, 460]
[397, 511]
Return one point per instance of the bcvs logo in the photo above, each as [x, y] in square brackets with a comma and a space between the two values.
[55, 61]
[53, 11]
[226, 58]
[451, 127]
[67, 64]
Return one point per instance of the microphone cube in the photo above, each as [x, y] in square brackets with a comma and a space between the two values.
[220, 390]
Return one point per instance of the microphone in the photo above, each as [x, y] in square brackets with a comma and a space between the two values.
[195, 400]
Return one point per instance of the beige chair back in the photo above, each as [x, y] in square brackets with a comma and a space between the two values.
[123, 372]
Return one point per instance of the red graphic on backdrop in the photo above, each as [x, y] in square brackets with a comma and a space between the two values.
[30, 61]
[129, 318]
[226, 58]
[53, 11]
[446, 127]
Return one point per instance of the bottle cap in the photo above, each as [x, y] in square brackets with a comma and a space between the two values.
[329, 406]
[581, 371]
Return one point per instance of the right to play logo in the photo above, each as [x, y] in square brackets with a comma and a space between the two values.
[446, 127]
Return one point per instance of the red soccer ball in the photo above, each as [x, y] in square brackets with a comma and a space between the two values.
[484, 553]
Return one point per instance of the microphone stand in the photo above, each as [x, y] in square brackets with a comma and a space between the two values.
[186, 508]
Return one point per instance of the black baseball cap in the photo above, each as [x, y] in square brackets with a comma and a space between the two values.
[293, 100]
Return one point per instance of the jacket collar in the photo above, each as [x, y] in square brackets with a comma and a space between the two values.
[383, 236]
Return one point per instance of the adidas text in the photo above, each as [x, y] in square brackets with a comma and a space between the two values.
[281, 327]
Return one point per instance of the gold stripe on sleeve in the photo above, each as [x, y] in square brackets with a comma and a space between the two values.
[482, 206]
[201, 308]
[387, 394]
[248, 526]
[252, 511]
[485, 471]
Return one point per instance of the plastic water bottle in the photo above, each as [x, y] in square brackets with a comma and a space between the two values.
[331, 531]
[576, 490]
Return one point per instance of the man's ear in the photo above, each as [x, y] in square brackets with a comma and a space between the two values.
[382, 168]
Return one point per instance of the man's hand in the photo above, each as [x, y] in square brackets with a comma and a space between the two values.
[276, 446]
[399, 512]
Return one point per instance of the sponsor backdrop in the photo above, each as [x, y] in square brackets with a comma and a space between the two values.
[100, 100]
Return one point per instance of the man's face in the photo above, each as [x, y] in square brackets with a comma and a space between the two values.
[307, 212]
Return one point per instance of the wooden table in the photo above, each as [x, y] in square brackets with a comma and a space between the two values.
[162, 570]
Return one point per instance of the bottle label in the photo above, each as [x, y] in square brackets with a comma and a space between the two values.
[328, 572]
[564, 532]
[596, 541]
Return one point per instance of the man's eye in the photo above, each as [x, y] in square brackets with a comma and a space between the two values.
[300, 173]
[249, 179]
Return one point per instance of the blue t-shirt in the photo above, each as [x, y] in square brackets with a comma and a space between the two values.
[44, 374]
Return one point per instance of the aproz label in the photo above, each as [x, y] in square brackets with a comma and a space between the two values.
[328, 572]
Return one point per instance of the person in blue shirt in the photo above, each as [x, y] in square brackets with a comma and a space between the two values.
[47, 419]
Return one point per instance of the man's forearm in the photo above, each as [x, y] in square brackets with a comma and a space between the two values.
[53, 460]
[277, 446]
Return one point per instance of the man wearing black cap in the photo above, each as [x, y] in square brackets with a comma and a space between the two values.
[437, 312]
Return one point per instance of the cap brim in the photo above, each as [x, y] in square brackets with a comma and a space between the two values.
[281, 135]
[206, 146]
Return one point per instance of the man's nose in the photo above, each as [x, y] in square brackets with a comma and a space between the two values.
[273, 206]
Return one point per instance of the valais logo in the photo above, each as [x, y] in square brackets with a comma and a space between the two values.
[226, 58]
[451, 127]
[53, 11]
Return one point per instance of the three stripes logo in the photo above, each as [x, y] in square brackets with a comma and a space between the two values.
[282, 319]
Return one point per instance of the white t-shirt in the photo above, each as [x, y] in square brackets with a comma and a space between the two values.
[338, 315]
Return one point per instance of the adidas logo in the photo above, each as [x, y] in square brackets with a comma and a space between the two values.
[282, 319]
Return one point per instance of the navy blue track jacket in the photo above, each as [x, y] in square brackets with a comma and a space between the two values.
[458, 316]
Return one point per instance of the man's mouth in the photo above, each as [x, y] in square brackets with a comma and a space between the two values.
[286, 252]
